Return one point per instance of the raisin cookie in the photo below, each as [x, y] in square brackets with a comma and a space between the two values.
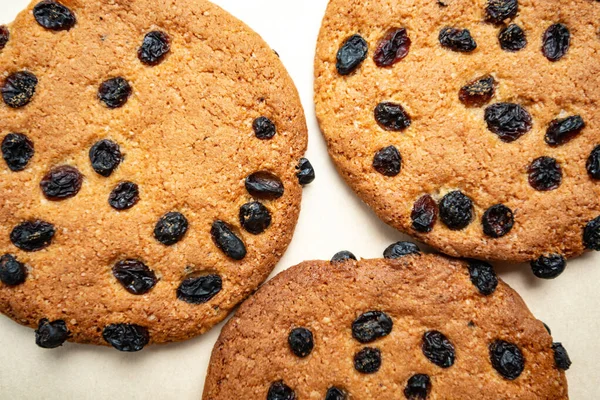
[151, 174]
[471, 125]
[417, 327]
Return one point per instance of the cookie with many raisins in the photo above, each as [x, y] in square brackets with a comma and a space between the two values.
[478, 132]
[417, 327]
[151, 173]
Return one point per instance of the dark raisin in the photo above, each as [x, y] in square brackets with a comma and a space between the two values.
[483, 277]
[392, 48]
[456, 210]
[12, 272]
[545, 173]
[155, 46]
[512, 38]
[114, 92]
[497, 221]
[342, 257]
[438, 349]
[400, 249]
[368, 360]
[593, 164]
[549, 266]
[457, 40]
[53, 15]
[264, 128]
[388, 161]
[124, 196]
[508, 120]
[351, 54]
[424, 214]
[507, 359]
[32, 235]
[200, 290]
[561, 357]
[280, 391]
[4, 36]
[18, 89]
[334, 393]
[371, 326]
[105, 157]
[497, 11]
[135, 276]
[126, 337]
[61, 183]
[556, 42]
[306, 172]
[255, 217]
[301, 342]
[478, 92]
[264, 185]
[563, 130]
[50, 335]
[17, 151]
[171, 228]
[392, 117]
[418, 387]
[227, 241]
[591, 235]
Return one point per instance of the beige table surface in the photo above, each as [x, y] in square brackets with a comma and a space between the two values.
[332, 219]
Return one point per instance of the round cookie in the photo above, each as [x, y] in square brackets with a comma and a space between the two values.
[417, 327]
[471, 125]
[152, 169]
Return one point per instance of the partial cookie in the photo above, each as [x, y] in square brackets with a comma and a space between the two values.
[417, 327]
[151, 173]
[471, 125]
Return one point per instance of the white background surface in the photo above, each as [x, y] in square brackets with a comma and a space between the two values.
[332, 219]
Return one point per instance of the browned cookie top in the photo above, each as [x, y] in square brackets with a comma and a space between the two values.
[472, 125]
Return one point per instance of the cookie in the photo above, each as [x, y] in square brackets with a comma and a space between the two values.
[152, 169]
[470, 125]
[417, 327]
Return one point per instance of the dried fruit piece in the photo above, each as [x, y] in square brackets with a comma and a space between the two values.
[18, 89]
[280, 391]
[4, 36]
[200, 290]
[53, 15]
[561, 357]
[424, 214]
[456, 210]
[371, 326]
[563, 130]
[392, 117]
[478, 92]
[17, 151]
[264, 185]
[301, 342]
[50, 335]
[418, 387]
[457, 40]
[227, 241]
[306, 172]
[593, 163]
[512, 38]
[483, 276]
[545, 173]
[507, 359]
[438, 349]
[591, 235]
[105, 157]
[334, 393]
[392, 48]
[114, 92]
[61, 183]
[497, 11]
[12, 272]
[126, 337]
[342, 257]
[255, 217]
[497, 221]
[32, 235]
[388, 161]
[135, 276]
[155, 46]
[264, 128]
[508, 120]
[400, 249]
[368, 360]
[171, 228]
[549, 266]
[124, 196]
[556, 42]
[351, 54]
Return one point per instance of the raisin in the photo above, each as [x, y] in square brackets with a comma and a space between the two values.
[306, 172]
[563, 130]
[371, 326]
[388, 161]
[483, 277]
[264, 185]
[114, 92]
[368, 360]
[105, 157]
[12, 272]
[200, 290]
[507, 359]
[508, 120]
[32, 235]
[334, 393]
[126, 337]
[54, 16]
[135, 276]
[280, 391]
[512, 38]
[438, 349]
[227, 241]
[549, 266]
[556, 42]
[301, 342]
[342, 257]
[351, 54]
[456, 210]
[155, 46]
[17, 151]
[61, 183]
[4, 36]
[457, 40]
[545, 173]
[478, 92]
[392, 117]
[497, 221]
[50, 335]
[424, 214]
[418, 387]
[255, 217]
[497, 11]
[171, 228]
[593, 164]
[561, 357]
[591, 235]
[400, 249]
[18, 89]
[264, 128]
[392, 48]
[124, 196]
